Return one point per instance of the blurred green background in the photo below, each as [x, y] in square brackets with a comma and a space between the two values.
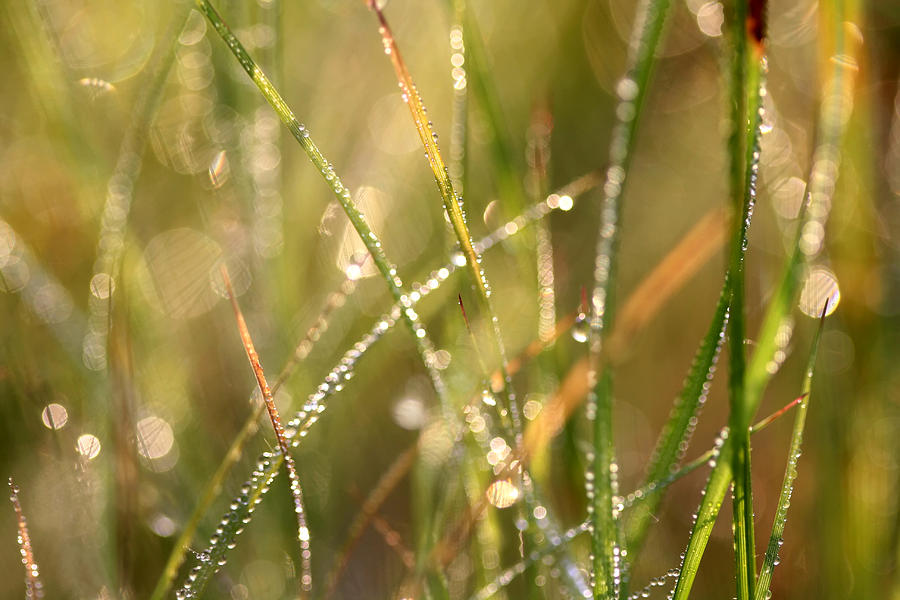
[101, 164]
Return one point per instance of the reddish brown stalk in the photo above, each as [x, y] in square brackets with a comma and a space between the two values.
[33, 587]
[762, 424]
[268, 399]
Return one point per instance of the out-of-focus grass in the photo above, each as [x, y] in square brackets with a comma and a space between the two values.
[219, 177]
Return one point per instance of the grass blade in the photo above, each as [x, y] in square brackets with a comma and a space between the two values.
[677, 431]
[230, 526]
[453, 203]
[640, 496]
[269, 400]
[33, 586]
[213, 487]
[835, 103]
[748, 65]
[387, 270]
[790, 473]
[606, 568]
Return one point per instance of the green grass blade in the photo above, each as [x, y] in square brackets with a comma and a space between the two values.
[606, 567]
[746, 89]
[678, 429]
[820, 189]
[387, 270]
[230, 526]
[790, 474]
[371, 241]
[644, 493]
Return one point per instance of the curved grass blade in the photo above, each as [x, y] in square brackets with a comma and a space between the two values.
[790, 473]
[275, 418]
[835, 105]
[453, 203]
[675, 436]
[606, 568]
[676, 433]
[230, 526]
[33, 586]
[641, 495]
[555, 544]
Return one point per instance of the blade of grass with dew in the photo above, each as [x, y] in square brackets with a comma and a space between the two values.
[33, 586]
[230, 526]
[747, 89]
[835, 105]
[275, 418]
[790, 472]
[678, 429]
[387, 270]
[676, 433]
[507, 575]
[640, 496]
[213, 487]
[606, 564]
[453, 203]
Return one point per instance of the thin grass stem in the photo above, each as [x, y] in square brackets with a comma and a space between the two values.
[747, 89]
[776, 538]
[602, 487]
[235, 451]
[269, 400]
